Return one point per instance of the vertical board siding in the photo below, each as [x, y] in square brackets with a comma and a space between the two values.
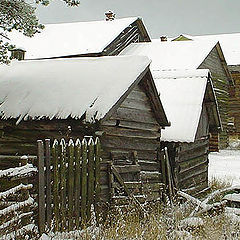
[75, 183]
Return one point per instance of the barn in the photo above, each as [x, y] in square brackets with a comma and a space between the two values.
[85, 39]
[231, 50]
[182, 55]
[190, 104]
[114, 98]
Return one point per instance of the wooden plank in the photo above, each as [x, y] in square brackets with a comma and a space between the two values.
[97, 177]
[56, 182]
[120, 180]
[41, 185]
[48, 183]
[84, 183]
[91, 170]
[128, 168]
[150, 176]
[78, 155]
[134, 115]
[70, 184]
[132, 144]
[134, 133]
[132, 125]
[63, 202]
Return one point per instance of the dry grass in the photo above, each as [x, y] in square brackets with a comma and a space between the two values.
[160, 222]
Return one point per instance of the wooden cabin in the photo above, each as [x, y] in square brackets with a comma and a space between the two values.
[114, 98]
[189, 55]
[82, 39]
[231, 50]
[191, 106]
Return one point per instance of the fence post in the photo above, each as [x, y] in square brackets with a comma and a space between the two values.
[55, 155]
[63, 184]
[91, 171]
[41, 195]
[78, 155]
[84, 182]
[97, 176]
[70, 183]
[48, 183]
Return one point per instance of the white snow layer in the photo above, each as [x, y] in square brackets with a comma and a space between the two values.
[229, 43]
[182, 94]
[66, 87]
[225, 165]
[66, 39]
[172, 55]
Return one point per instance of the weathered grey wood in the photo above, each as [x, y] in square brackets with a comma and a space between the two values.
[70, 184]
[133, 114]
[63, 173]
[48, 183]
[84, 183]
[128, 168]
[56, 182]
[78, 156]
[91, 170]
[169, 176]
[41, 183]
[97, 177]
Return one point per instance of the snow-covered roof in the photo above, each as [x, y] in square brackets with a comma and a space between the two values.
[66, 39]
[172, 55]
[229, 43]
[182, 94]
[66, 87]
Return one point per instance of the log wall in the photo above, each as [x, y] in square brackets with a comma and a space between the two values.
[133, 127]
[221, 88]
[234, 106]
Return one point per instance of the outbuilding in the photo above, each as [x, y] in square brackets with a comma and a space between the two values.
[80, 39]
[114, 98]
[191, 106]
[190, 55]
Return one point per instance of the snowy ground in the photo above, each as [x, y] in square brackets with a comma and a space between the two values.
[225, 165]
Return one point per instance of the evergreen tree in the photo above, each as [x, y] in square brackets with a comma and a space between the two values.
[20, 15]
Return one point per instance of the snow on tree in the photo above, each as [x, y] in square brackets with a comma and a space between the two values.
[20, 15]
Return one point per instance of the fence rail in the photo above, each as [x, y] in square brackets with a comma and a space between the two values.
[69, 175]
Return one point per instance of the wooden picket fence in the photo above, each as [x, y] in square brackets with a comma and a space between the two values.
[17, 206]
[68, 181]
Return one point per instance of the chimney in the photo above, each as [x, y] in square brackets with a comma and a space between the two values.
[163, 38]
[110, 16]
[17, 53]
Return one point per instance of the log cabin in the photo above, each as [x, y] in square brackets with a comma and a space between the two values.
[182, 55]
[114, 98]
[191, 106]
[231, 50]
[80, 39]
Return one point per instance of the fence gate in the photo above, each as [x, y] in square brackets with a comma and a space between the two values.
[68, 180]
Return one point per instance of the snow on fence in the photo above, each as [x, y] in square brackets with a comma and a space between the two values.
[16, 204]
[68, 181]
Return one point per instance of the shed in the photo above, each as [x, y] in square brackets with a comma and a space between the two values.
[190, 104]
[85, 39]
[231, 49]
[114, 98]
[191, 55]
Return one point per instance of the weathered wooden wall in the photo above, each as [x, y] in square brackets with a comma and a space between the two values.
[189, 161]
[133, 127]
[21, 139]
[234, 106]
[134, 33]
[221, 88]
